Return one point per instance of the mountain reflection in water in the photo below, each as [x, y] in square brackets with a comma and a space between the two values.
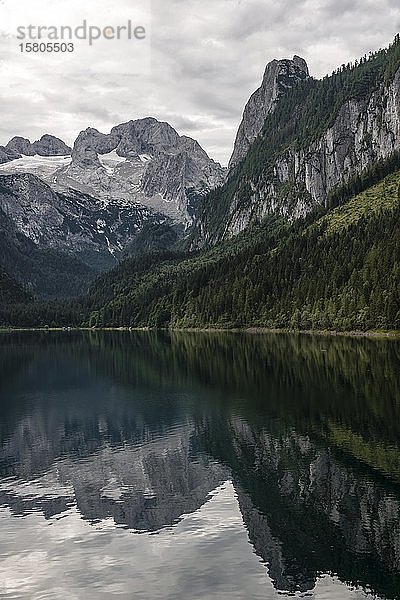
[199, 465]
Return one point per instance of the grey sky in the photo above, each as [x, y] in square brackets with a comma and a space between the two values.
[206, 58]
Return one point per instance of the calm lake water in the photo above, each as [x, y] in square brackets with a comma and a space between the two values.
[199, 466]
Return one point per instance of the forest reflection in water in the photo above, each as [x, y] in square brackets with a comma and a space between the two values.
[252, 465]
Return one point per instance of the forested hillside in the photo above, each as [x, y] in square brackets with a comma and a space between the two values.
[11, 291]
[53, 273]
[338, 270]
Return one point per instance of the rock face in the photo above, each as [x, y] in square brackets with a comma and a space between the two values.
[48, 145]
[7, 155]
[111, 196]
[364, 131]
[142, 162]
[145, 161]
[20, 145]
[279, 76]
[76, 223]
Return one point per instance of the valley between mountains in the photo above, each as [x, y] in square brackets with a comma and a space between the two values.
[139, 227]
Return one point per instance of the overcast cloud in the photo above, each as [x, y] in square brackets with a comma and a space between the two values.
[196, 69]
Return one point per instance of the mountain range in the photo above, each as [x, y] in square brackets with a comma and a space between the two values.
[106, 198]
[301, 230]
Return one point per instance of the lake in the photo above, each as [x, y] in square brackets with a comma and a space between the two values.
[145, 465]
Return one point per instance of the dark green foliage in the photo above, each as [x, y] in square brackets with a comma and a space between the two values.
[153, 237]
[393, 59]
[140, 276]
[11, 292]
[40, 313]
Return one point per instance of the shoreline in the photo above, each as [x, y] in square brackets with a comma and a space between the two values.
[377, 334]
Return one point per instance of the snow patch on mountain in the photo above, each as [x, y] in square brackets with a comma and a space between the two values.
[44, 167]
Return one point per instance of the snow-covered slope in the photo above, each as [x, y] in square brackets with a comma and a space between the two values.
[44, 167]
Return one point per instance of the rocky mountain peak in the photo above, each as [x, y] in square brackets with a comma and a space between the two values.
[89, 144]
[279, 76]
[20, 145]
[144, 160]
[301, 64]
[142, 163]
[48, 145]
[129, 140]
[145, 136]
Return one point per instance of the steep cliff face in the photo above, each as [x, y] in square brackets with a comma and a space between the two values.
[364, 132]
[312, 138]
[144, 161]
[279, 77]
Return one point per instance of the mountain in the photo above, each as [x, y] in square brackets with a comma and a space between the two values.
[7, 155]
[283, 243]
[317, 137]
[337, 270]
[112, 195]
[279, 77]
[144, 162]
[48, 145]
[82, 231]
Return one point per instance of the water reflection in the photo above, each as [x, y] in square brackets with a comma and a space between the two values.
[265, 465]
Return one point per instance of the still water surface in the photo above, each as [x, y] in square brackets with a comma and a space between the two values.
[199, 466]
